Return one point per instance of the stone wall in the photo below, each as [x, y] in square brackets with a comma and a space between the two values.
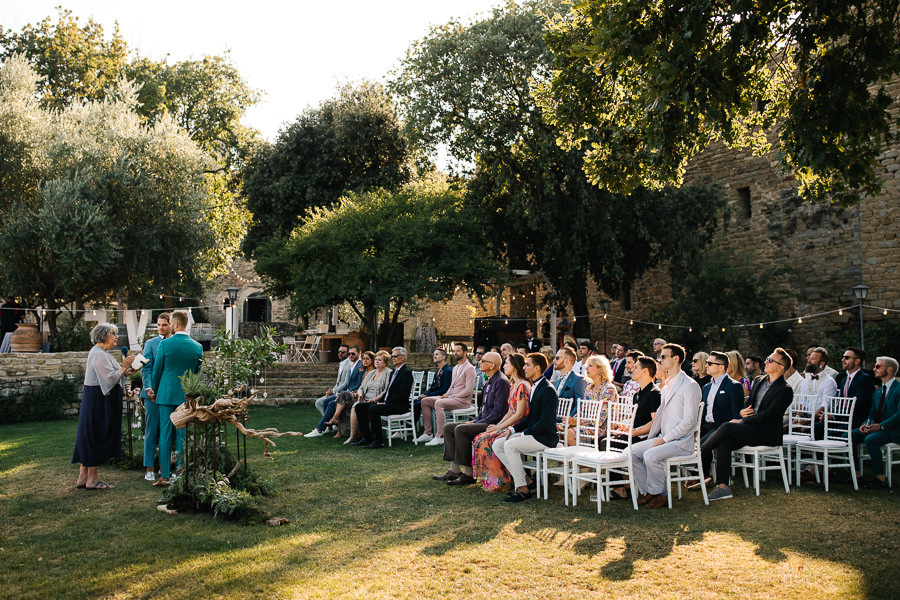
[22, 372]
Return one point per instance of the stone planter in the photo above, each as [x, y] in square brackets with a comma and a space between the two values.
[26, 338]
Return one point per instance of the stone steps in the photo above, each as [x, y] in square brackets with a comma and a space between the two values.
[296, 383]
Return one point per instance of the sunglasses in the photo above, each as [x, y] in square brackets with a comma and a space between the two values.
[772, 360]
[709, 362]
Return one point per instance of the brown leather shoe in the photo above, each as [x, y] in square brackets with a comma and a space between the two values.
[646, 499]
[657, 502]
[446, 476]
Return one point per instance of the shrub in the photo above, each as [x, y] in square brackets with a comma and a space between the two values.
[42, 404]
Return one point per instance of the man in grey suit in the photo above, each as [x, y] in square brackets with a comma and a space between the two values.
[671, 433]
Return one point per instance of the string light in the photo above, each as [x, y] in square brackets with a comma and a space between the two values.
[631, 322]
[800, 321]
[760, 325]
[841, 313]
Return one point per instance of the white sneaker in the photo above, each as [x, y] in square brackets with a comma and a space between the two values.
[436, 442]
[315, 433]
[424, 438]
[149, 476]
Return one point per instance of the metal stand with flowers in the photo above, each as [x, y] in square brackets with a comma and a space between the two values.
[215, 475]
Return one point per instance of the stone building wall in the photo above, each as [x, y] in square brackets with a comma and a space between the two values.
[23, 372]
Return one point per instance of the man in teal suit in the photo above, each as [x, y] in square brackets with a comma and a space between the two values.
[175, 357]
[883, 424]
[151, 411]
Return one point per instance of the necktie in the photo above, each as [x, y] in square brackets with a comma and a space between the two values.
[847, 386]
[881, 403]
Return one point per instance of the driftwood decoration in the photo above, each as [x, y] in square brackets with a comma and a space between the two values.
[229, 408]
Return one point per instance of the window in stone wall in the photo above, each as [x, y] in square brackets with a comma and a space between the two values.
[257, 309]
[744, 202]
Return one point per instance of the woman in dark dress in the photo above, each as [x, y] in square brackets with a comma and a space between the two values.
[99, 435]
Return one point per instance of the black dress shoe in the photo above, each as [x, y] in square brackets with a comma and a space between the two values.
[374, 446]
[463, 479]
[876, 484]
[518, 496]
[362, 442]
[446, 476]
[532, 487]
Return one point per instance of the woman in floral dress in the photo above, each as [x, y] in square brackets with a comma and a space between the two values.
[486, 467]
[600, 387]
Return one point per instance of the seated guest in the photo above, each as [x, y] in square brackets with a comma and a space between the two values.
[647, 399]
[458, 437]
[480, 378]
[505, 350]
[671, 432]
[753, 366]
[372, 388]
[584, 351]
[792, 377]
[569, 384]
[760, 422]
[883, 424]
[548, 352]
[618, 363]
[736, 370]
[459, 395]
[599, 388]
[723, 399]
[698, 368]
[658, 344]
[341, 384]
[488, 470]
[522, 349]
[856, 383]
[630, 387]
[440, 384]
[353, 383]
[395, 402]
[536, 432]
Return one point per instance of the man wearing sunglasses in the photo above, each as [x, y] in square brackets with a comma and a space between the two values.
[723, 399]
[854, 382]
[760, 422]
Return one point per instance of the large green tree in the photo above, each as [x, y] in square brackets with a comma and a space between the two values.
[469, 87]
[381, 250]
[350, 143]
[112, 206]
[207, 97]
[645, 86]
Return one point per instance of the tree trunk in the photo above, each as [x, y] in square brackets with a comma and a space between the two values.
[582, 328]
[371, 318]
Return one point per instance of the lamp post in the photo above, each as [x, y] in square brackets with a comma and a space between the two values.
[861, 291]
[604, 306]
[232, 297]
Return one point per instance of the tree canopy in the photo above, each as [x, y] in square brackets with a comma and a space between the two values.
[350, 143]
[645, 86]
[207, 97]
[110, 204]
[381, 248]
[470, 87]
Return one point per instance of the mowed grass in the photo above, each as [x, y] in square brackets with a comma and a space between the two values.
[372, 524]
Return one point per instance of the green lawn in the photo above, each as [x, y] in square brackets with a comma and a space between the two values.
[372, 524]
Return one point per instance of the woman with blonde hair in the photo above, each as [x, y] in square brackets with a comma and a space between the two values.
[600, 387]
[736, 370]
[698, 367]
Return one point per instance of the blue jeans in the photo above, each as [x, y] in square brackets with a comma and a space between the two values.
[330, 408]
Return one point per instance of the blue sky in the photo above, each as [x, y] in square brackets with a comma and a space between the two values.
[296, 53]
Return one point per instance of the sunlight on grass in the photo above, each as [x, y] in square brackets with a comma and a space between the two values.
[19, 469]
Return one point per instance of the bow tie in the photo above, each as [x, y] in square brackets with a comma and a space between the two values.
[813, 377]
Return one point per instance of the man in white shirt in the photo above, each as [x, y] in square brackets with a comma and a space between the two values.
[460, 395]
[827, 370]
[816, 382]
[584, 351]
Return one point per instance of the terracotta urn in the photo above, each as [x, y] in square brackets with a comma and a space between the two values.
[26, 338]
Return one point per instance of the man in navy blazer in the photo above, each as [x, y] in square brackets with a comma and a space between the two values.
[723, 399]
[854, 382]
[570, 384]
[536, 432]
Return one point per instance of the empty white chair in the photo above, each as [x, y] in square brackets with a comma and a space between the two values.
[688, 466]
[836, 442]
[801, 420]
[615, 459]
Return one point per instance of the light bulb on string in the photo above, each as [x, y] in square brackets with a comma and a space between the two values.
[660, 326]
[760, 325]
[841, 313]
[723, 330]
[690, 329]
[631, 322]
[800, 321]
[884, 312]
